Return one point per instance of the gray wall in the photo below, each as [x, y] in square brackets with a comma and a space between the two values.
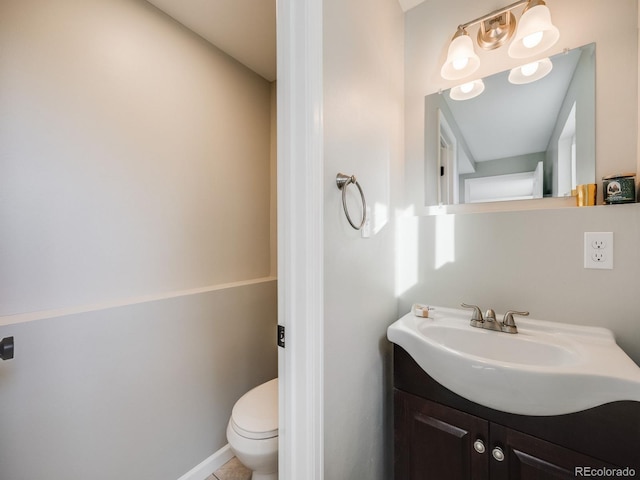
[135, 268]
[579, 92]
[138, 392]
[123, 137]
[362, 118]
[433, 103]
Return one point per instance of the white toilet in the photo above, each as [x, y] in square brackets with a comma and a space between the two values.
[252, 432]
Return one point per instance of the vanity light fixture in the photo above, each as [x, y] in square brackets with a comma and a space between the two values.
[462, 60]
[467, 91]
[530, 72]
[533, 34]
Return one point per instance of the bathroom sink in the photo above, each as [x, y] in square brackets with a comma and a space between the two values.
[547, 368]
[519, 349]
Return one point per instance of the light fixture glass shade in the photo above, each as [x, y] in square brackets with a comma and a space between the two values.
[467, 91]
[530, 72]
[535, 33]
[462, 60]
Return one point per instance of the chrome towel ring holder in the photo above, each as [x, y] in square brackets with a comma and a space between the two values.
[343, 181]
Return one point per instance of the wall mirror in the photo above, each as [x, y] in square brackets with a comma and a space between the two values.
[515, 140]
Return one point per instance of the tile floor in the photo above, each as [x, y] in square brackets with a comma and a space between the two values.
[232, 470]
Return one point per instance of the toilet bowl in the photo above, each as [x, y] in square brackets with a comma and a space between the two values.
[252, 431]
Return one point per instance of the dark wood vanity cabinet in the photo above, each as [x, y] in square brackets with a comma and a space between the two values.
[436, 442]
[442, 436]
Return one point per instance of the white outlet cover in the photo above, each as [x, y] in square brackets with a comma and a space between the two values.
[598, 250]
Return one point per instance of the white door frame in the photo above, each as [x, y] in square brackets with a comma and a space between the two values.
[449, 161]
[300, 239]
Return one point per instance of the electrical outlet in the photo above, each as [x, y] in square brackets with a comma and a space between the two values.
[598, 250]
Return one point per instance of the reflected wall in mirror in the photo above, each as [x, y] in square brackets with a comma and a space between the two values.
[515, 141]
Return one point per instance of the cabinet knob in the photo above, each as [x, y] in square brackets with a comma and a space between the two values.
[498, 454]
[478, 446]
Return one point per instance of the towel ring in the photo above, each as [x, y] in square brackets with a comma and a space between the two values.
[343, 182]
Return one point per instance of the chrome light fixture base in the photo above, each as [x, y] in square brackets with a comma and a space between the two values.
[533, 34]
[496, 31]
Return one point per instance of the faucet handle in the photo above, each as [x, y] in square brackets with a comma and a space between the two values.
[508, 317]
[508, 324]
[476, 316]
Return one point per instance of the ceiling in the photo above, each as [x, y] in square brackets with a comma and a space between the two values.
[409, 4]
[509, 120]
[244, 29]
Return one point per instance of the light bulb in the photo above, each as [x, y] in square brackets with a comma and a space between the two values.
[530, 72]
[467, 87]
[529, 69]
[467, 90]
[532, 40]
[460, 63]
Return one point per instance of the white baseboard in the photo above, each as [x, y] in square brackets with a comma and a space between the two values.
[209, 465]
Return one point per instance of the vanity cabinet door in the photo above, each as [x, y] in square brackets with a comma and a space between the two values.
[435, 442]
[529, 458]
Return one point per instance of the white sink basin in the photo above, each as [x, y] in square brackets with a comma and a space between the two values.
[547, 368]
[517, 349]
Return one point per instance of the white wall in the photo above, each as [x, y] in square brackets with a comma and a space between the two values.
[135, 230]
[532, 260]
[502, 166]
[363, 136]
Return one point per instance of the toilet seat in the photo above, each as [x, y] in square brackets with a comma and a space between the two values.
[255, 415]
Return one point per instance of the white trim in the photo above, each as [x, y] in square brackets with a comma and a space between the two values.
[300, 239]
[204, 470]
[60, 312]
[497, 188]
[450, 164]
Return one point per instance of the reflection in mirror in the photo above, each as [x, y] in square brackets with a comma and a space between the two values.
[514, 141]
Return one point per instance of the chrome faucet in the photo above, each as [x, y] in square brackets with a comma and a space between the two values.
[489, 322]
[476, 316]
